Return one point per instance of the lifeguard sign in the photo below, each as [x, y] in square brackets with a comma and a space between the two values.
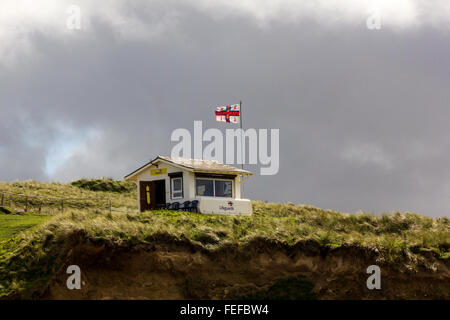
[216, 186]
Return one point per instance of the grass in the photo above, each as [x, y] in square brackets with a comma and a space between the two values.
[71, 193]
[12, 224]
[29, 258]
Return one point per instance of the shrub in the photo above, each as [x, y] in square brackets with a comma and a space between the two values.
[105, 185]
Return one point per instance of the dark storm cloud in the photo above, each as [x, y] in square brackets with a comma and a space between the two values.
[362, 114]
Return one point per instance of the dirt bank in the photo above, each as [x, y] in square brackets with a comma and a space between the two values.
[168, 270]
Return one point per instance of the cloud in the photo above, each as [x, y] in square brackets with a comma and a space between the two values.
[362, 114]
[64, 147]
[401, 13]
[367, 154]
[21, 19]
[100, 155]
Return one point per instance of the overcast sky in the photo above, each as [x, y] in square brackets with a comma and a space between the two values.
[363, 114]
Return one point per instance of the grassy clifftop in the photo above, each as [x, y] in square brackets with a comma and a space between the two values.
[28, 259]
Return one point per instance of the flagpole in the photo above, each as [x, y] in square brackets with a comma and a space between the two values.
[242, 145]
[242, 135]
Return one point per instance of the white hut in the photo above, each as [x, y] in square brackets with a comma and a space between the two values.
[214, 186]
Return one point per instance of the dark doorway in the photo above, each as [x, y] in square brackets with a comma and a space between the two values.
[160, 192]
[152, 194]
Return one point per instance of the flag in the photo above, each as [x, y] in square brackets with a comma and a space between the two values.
[230, 113]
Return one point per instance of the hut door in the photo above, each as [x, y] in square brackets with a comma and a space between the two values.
[147, 195]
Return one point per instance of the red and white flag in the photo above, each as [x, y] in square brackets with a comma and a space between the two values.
[230, 113]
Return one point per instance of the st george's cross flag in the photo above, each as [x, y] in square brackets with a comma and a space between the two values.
[230, 113]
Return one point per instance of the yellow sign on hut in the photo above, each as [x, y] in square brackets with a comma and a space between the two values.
[155, 172]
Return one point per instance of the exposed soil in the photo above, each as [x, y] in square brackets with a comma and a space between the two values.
[185, 271]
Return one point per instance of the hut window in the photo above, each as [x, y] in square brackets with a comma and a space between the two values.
[177, 187]
[205, 187]
[223, 188]
[214, 188]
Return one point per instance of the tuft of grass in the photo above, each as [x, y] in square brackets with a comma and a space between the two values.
[105, 185]
[328, 239]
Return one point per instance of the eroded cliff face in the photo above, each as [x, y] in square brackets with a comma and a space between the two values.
[183, 271]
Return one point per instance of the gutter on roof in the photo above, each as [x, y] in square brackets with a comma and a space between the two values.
[230, 172]
[152, 162]
[140, 168]
[192, 169]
